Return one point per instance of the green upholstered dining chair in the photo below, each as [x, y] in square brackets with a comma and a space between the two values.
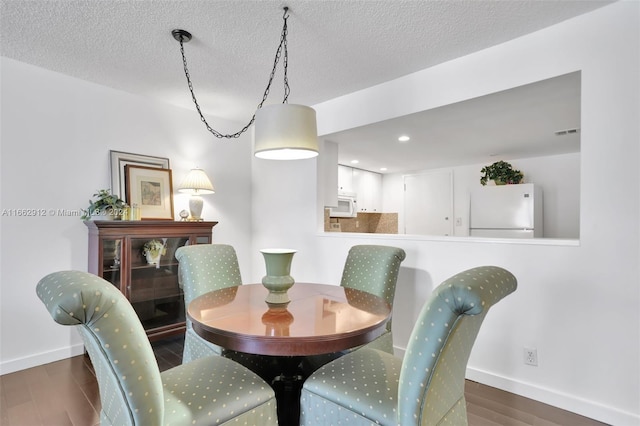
[203, 268]
[369, 386]
[374, 269]
[370, 268]
[133, 391]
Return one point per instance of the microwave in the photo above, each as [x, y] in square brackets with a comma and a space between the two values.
[347, 206]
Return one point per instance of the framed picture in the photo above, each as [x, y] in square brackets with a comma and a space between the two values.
[151, 190]
[119, 160]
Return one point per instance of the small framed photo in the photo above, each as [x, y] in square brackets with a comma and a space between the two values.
[151, 189]
[119, 160]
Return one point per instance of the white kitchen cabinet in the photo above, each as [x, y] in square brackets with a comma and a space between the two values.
[368, 187]
[345, 179]
[329, 166]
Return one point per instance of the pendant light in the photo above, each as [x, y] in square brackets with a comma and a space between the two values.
[282, 131]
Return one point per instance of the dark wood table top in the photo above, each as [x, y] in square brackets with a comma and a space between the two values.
[320, 318]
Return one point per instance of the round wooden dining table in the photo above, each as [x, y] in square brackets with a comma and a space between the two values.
[319, 319]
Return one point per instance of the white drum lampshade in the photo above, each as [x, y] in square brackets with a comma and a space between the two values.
[285, 132]
[196, 183]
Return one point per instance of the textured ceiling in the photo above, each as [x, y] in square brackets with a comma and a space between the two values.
[335, 47]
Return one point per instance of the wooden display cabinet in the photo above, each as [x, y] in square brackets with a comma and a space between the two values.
[115, 254]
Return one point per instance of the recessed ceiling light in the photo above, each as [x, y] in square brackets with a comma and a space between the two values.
[383, 169]
[403, 138]
[354, 161]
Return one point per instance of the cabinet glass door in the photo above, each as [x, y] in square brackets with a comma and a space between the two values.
[111, 259]
[153, 288]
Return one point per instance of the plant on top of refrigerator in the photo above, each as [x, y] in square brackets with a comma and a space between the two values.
[502, 173]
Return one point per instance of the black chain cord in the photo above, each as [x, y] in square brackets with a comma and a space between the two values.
[281, 46]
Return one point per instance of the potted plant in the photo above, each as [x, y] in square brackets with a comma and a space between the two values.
[106, 206]
[153, 250]
[502, 173]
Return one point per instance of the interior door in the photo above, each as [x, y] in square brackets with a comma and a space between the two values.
[428, 203]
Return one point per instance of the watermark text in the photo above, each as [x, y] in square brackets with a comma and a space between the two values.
[30, 212]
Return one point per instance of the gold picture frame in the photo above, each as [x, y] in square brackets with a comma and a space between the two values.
[151, 190]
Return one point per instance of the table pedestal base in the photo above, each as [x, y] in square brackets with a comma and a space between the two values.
[285, 375]
[288, 389]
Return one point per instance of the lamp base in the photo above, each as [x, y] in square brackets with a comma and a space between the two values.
[195, 209]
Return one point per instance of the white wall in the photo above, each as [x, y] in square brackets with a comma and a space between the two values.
[284, 211]
[56, 135]
[557, 175]
[579, 305]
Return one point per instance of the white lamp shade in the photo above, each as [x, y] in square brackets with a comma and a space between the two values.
[286, 132]
[196, 182]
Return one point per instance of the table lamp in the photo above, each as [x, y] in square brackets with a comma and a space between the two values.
[196, 183]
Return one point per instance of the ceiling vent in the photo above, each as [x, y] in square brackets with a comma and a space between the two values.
[566, 132]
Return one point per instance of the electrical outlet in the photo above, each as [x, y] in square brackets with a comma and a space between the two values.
[531, 356]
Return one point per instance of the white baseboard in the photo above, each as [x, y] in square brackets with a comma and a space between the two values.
[30, 361]
[592, 409]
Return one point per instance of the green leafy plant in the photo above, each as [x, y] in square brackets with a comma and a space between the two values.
[502, 173]
[104, 201]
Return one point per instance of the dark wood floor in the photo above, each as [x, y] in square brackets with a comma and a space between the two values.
[66, 393]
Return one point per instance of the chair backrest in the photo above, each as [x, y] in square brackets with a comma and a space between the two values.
[206, 267]
[373, 269]
[433, 370]
[126, 369]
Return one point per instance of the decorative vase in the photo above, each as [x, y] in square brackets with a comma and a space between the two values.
[153, 258]
[278, 281]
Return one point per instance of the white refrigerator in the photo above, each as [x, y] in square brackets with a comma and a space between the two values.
[506, 211]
